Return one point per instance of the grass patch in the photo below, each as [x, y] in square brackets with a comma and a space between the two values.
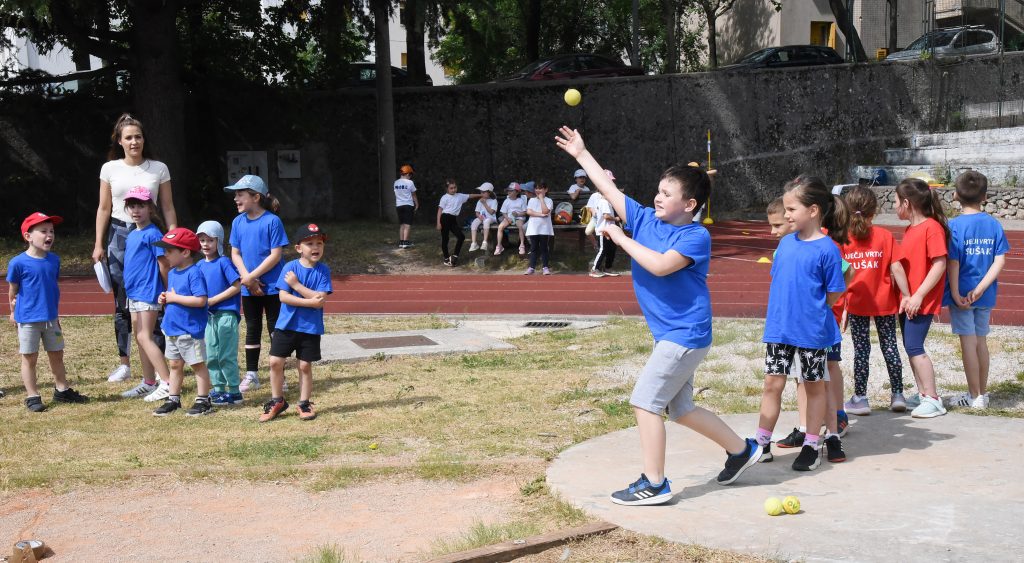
[329, 554]
[439, 466]
[481, 534]
[263, 451]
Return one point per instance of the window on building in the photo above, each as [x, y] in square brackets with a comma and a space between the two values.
[405, 60]
[823, 33]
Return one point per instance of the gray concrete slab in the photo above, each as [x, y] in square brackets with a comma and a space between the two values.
[341, 348]
[945, 489]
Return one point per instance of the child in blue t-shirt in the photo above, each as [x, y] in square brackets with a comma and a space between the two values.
[807, 280]
[977, 254]
[224, 303]
[305, 283]
[670, 256]
[33, 294]
[145, 277]
[257, 244]
[184, 323]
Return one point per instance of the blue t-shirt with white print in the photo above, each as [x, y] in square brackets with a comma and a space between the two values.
[219, 275]
[304, 319]
[975, 239]
[255, 238]
[677, 307]
[803, 273]
[142, 281]
[179, 319]
[38, 292]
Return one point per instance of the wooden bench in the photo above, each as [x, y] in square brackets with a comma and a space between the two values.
[575, 226]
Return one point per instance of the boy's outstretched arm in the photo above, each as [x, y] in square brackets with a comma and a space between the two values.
[653, 261]
[571, 142]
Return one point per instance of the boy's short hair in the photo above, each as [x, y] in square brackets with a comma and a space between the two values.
[695, 183]
[775, 207]
[971, 187]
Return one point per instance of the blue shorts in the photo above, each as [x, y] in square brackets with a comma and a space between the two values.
[970, 322]
[914, 332]
[666, 382]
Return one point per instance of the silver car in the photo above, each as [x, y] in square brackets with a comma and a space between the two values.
[950, 42]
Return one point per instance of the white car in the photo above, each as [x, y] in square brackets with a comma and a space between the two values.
[950, 42]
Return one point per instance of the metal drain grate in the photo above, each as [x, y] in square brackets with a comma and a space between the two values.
[547, 324]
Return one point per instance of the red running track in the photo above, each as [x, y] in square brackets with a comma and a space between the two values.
[738, 284]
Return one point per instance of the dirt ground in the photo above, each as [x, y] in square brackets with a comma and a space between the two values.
[166, 520]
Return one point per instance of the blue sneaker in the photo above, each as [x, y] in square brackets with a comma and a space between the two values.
[214, 395]
[842, 423]
[735, 465]
[642, 493]
[226, 399]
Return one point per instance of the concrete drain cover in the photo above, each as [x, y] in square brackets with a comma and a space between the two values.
[393, 342]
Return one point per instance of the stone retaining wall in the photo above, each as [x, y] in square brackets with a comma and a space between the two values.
[1001, 203]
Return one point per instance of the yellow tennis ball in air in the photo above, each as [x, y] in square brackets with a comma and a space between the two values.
[791, 504]
[773, 506]
[573, 97]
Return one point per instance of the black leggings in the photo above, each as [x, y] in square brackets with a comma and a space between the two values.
[538, 245]
[860, 329]
[605, 249]
[450, 225]
[254, 308]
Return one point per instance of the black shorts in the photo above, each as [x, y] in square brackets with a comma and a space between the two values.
[405, 214]
[778, 358]
[305, 346]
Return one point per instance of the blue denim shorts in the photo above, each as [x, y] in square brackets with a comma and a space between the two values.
[970, 322]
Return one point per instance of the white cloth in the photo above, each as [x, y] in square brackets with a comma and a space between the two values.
[403, 192]
[540, 225]
[482, 208]
[511, 206]
[122, 177]
[576, 188]
[595, 199]
[452, 204]
[599, 215]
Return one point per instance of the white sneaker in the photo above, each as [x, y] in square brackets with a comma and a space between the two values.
[474, 247]
[140, 390]
[161, 392]
[929, 408]
[250, 382]
[980, 402]
[483, 246]
[120, 374]
[961, 400]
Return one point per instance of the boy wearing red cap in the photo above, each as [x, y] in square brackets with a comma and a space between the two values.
[184, 324]
[305, 284]
[34, 296]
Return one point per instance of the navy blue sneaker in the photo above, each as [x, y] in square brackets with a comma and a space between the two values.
[843, 423]
[735, 465]
[642, 493]
[226, 399]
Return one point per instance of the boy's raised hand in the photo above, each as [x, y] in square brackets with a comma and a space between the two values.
[570, 141]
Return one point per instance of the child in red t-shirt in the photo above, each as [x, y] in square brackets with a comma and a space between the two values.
[875, 258]
[924, 246]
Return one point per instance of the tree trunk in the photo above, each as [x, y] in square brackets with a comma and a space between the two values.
[849, 31]
[159, 95]
[386, 162]
[894, 28]
[415, 18]
[634, 53]
[533, 30]
[334, 29]
[668, 17]
[712, 18]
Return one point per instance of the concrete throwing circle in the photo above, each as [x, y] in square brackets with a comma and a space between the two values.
[944, 489]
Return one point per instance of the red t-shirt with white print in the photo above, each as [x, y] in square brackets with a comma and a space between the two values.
[872, 292]
[921, 244]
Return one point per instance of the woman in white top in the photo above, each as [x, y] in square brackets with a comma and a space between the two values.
[128, 166]
[539, 227]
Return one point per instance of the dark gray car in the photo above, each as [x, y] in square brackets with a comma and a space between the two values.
[950, 42]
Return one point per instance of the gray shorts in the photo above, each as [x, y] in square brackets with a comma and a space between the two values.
[140, 306]
[666, 381]
[29, 335]
[184, 347]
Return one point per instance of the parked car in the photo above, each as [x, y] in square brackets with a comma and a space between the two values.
[950, 42]
[365, 75]
[787, 56]
[584, 65]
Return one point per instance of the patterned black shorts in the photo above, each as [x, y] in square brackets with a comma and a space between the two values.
[778, 358]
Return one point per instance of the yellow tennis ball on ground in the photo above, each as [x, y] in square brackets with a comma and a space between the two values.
[773, 506]
[573, 97]
[791, 504]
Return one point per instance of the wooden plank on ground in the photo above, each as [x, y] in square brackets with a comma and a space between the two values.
[507, 551]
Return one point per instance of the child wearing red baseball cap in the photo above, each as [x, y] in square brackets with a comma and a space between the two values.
[34, 296]
[184, 324]
[304, 285]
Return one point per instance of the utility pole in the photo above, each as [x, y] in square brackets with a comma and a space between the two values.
[386, 162]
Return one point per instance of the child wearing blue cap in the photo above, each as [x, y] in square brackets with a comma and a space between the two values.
[579, 185]
[223, 285]
[257, 244]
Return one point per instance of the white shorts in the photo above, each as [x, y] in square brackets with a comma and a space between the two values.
[29, 335]
[191, 350]
[140, 306]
